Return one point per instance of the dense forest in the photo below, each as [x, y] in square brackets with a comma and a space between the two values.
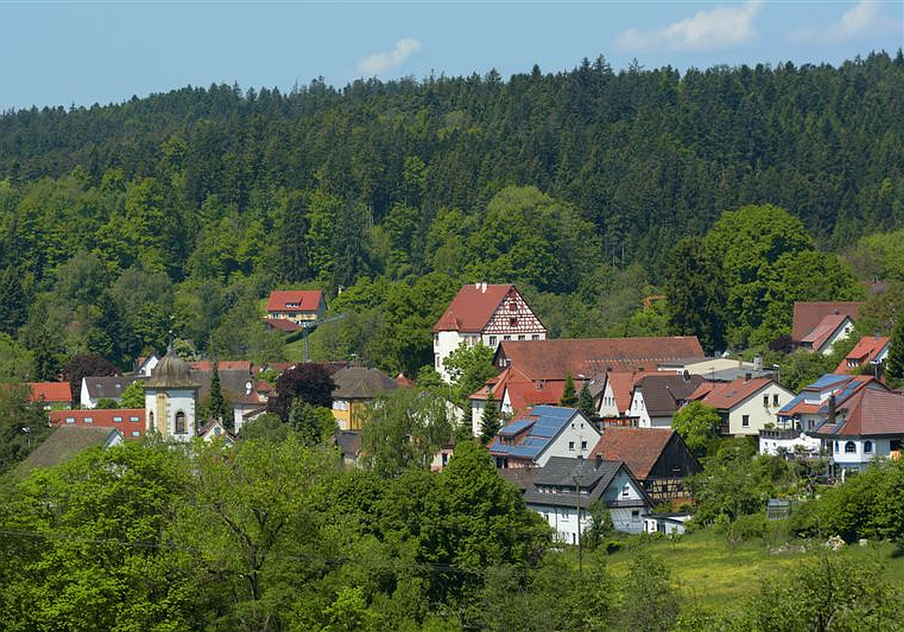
[182, 210]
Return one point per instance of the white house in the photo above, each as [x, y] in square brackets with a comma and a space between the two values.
[95, 389]
[813, 404]
[777, 442]
[483, 313]
[666, 524]
[658, 396]
[146, 366]
[551, 493]
[818, 325]
[170, 400]
[543, 433]
[747, 405]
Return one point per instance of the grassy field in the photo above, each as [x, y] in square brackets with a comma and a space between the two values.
[706, 568]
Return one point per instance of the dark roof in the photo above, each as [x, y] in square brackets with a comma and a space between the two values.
[349, 441]
[586, 357]
[64, 443]
[639, 448]
[109, 387]
[808, 315]
[472, 307]
[561, 471]
[361, 383]
[662, 394]
[520, 477]
[234, 383]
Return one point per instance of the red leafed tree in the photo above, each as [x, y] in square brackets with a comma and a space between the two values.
[310, 382]
[87, 365]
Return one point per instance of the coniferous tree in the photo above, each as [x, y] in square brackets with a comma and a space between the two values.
[217, 406]
[695, 294]
[13, 308]
[569, 394]
[489, 420]
[585, 402]
[895, 366]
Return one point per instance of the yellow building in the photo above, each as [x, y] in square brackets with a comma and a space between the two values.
[356, 387]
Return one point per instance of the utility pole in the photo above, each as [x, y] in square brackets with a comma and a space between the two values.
[577, 494]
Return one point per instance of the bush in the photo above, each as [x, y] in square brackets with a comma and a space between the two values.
[750, 527]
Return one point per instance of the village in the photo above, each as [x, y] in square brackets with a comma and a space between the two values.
[574, 424]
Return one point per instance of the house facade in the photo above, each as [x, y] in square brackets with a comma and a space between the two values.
[545, 432]
[817, 325]
[657, 397]
[747, 405]
[355, 388]
[483, 313]
[295, 307]
[130, 422]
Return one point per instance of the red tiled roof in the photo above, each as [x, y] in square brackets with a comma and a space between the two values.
[807, 315]
[283, 324]
[622, 384]
[727, 395]
[50, 392]
[472, 307]
[402, 380]
[306, 300]
[639, 448]
[497, 383]
[222, 365]
[873, 412]
[103, 418]
[585, 357]
[527, 395]
[863, 352]
[824, 330]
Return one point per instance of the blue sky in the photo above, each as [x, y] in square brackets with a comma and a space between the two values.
[82, 53]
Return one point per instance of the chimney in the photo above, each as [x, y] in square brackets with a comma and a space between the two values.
[747, 377]
[598, 459]
[758, 362]
[686, 376]
[483, 287]
[831, 418]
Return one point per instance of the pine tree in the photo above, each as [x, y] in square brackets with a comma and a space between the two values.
[569, 394]
[217, 405]
[585, 402]
[895, 367]
[489, 420]
[13, 303]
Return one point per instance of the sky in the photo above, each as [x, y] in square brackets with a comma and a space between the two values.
[63, 53]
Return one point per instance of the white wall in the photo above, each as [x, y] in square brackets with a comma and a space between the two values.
[859, 458]
[759, 415]
[840, 334]
[638, 409]
[578, 430]
[444, 343]
[608, 407]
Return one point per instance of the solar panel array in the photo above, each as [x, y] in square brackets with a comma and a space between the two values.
[548, 422]
[519, 425]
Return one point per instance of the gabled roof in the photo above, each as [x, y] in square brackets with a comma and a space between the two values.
[813, 399]
[361, 383]
[283, 324]
[109, 387]
[536, 431]
[472, 307]
[51, 392]
[622, 384]
[866, 350]
[402, 380]
[126, 420]
[870, 412]
[585, 357]
[234, 383]
[725, 396]
[663, 393]
[305, 300]
[524, 395]
[561, 472]
[215, 428]
[64, 443]
[222, 365]
[824, 331]
[349, 441]
[808, 315]
[639, 448]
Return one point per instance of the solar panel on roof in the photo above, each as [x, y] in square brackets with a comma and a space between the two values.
[828, 380]
[515, 427]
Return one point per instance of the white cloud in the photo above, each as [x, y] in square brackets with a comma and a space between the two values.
[721, 27]
[380, 63]
[863, 19]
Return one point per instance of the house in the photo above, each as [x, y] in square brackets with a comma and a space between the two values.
[747, 405]
[658, 396]
[546, 431]
[355, 388]
[612, 392]
[288, 309]
[129, 421]
[867, 356]
[214, 429]
[254, 400]
[144, 366]
[52, 395]
[66, 442]
[657, 457]
[94, 389]
[584, 358]
[563, 490]
[482, 313]
[442, 457]
[720, 369]
[666, 523]
[812, 405]
[818, 325]
[867, 425]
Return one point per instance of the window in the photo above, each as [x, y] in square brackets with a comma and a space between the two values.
[522, 337]
[133, 418]
[850, 447]
[868, 447]
[775, 399]
[635, 515]
[151, 421]
[436, 360]
[513, 322]
[745, 421]
[571, 446]
[583, 445]
[626, 491]
[136, 433]
[535, 337]
[70, 420]
[117, 418]
[766, 401]
[506, 337]
[180, 422]
[435, 340]
[88, 420]
[836, 447]
[492, 341]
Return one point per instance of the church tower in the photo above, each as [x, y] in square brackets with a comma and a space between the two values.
[170, 399]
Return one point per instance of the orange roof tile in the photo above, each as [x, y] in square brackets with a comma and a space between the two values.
[639, 448]
[50, 391]
[304, 300]
[472, 307]
[866, 350]
[808, 314]
[727, 395]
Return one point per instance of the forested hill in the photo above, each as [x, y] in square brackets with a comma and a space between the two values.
[182, 210]
[645, 155]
